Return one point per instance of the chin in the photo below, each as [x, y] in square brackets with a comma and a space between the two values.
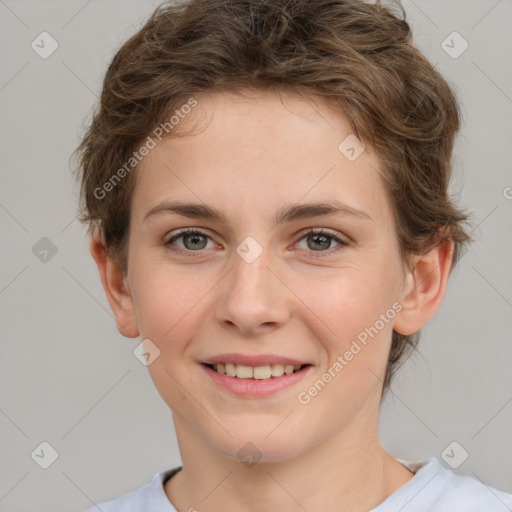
[258, 449]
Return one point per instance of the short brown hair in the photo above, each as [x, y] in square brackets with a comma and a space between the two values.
[358, 55]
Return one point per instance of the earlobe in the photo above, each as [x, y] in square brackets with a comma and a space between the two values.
[424, 287]
[116, 289]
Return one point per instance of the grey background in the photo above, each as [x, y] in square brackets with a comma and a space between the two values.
[69, 378]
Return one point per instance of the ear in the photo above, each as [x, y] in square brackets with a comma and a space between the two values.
[116, 289]
[424, 288]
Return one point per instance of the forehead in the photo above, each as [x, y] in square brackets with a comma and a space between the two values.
[260, 149]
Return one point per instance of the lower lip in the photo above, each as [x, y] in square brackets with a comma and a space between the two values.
[256, 387]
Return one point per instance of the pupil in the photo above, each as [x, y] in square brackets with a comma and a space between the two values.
[326, 241]
[193, 237]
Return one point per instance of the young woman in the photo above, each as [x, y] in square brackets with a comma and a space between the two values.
[266, 189]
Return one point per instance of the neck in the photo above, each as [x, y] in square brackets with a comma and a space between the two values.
[338, 474]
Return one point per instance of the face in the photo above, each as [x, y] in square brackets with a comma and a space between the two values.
[253, 288]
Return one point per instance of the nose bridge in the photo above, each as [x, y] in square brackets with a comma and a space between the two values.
[251, 276]
[252, 295]
[250, 271]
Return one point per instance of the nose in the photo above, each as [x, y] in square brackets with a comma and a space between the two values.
[252, 298]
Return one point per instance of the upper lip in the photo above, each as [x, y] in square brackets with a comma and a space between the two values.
[252, 360]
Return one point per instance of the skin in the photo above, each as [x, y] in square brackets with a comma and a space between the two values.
[250, 157]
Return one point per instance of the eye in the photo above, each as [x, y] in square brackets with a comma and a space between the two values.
[321, 241]
[193, 240]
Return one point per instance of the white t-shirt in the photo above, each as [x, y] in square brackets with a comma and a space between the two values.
[432, 489]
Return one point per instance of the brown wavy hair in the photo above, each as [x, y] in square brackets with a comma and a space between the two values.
[358, 55]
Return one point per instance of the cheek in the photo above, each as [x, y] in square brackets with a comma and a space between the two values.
[166, 301]
[357, 307]
[169, 311]
[352, 301]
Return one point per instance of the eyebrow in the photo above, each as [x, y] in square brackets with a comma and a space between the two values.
[287, 213]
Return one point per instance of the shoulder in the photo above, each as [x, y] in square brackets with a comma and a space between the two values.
[465, 493]
[150, 496]
[437, 489]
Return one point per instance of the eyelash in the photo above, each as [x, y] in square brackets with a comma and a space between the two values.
[309, 232]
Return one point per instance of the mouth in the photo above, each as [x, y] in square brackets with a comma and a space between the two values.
[262, 372]
[255, 381]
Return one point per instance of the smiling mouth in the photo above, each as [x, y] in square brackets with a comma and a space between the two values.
[264, 372]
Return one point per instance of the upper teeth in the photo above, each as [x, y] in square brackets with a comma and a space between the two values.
[259, 372]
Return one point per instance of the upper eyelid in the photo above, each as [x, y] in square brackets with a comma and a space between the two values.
[187, 231]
